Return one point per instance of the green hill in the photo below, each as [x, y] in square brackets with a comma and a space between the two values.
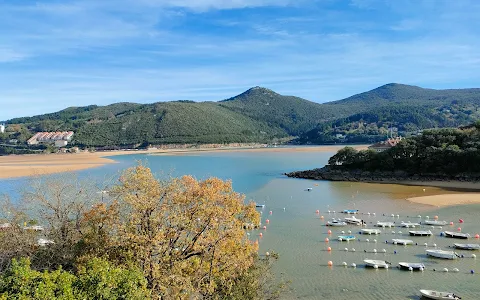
[396, 109]
[260, 115]
[292, 114]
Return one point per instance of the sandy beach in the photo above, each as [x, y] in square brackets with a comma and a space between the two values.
[12, 166]
[447, 199]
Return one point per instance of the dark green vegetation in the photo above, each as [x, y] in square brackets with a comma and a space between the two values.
[397, 110]
[261, 115]
[446, 152]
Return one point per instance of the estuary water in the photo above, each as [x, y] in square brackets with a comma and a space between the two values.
[297, 232]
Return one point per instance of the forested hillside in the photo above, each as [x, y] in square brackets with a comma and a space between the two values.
[294, 115]
[396, 109]
[259, 115]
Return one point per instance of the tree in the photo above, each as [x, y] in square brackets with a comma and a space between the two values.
[186, 235]
[344, 156]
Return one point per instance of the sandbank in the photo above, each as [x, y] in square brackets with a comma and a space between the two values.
[447, 199]
[12, 166]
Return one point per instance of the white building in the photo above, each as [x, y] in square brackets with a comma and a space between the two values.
[2, 128]
[51, 137]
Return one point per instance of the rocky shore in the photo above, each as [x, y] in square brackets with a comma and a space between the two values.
[338, 174]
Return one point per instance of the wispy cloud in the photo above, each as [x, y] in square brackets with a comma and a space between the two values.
[62, 53]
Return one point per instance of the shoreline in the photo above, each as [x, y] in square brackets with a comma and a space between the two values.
[453, 192]
[16, 166]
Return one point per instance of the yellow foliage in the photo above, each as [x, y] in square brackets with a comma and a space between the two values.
[186, 235]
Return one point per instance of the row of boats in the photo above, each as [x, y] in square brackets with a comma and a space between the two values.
[355, 221]
[412, 266]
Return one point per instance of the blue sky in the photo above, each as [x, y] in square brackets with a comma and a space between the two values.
[55, 54]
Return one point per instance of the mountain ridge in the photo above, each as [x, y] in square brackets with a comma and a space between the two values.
[258, 114]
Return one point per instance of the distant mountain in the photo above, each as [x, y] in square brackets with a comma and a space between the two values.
[260, 115]
[396, 109]
[293, 114]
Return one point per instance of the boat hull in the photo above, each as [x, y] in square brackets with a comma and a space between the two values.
[420, 233]
[455, 235]
[442, 254]
[379, 263]
[370, 231]
[429, 294]
[414, 266]
[402, 242]
[467, 246]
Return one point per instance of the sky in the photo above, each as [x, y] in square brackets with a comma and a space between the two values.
[56, 54]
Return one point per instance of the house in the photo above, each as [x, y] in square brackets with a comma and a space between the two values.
[60, 139]
[385, 145]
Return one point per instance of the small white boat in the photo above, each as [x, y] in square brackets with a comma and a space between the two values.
[337, 223]
[420, 233]
[370, 231]
[309, 189]
[456, 235]
[442, 253]
[409, 224]
[376, 263]
[353, 221]
[434, 222]
[439, 295]
[413, 266]
[350, 211]
[402, 242]
[467, 246]
[260, 205]
[385, 224]
[346, 238]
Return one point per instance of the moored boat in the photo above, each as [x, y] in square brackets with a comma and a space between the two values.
[442, 253]
[376, 263]
[413, 266]
[370, 231]
[409, 224]
[420, 232]
[402, 242]
[434, 222]
[346, 238]
[467, 246]
[337, 223]
[385, 224]
[353, 221]
[350, 211]
[456, 235]
[430, 294]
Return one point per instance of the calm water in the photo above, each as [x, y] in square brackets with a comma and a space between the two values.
[297, 233]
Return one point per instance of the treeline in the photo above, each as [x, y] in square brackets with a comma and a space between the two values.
[143, 238]
[398, 119]
[441, 151]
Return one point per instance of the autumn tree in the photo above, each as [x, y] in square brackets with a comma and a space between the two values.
[186, 235]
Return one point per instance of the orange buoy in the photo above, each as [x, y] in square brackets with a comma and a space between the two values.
[461, 220]
[327, 240]
[329, 231]
[267, 221]
[270, 212]
[317, 211]
[321, 217]
[264, 227]
[451, 223]
[260, 234]
[330, 263]
[436, 217]
[256, 242]
[329, 249]
[477, 236]
[459, 229]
